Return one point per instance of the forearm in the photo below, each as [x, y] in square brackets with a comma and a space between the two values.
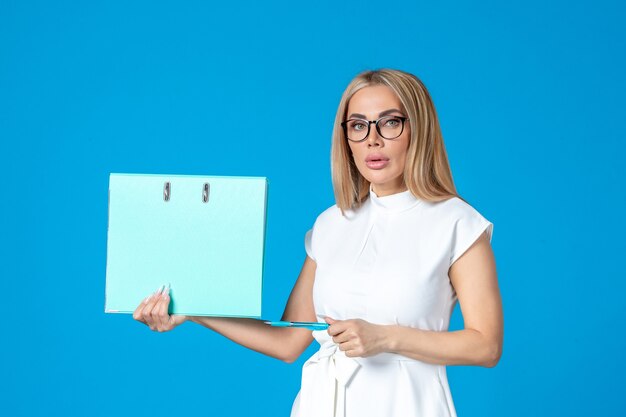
[280, 343]
[461, 347]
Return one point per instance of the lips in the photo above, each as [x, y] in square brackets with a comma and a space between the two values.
[376, 161]
[376, 157]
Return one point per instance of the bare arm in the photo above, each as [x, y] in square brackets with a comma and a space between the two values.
[281, 343]
[474, 278]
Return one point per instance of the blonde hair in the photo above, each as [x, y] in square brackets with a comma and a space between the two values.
[426, 170]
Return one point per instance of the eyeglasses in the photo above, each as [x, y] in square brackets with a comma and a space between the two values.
[388, 127]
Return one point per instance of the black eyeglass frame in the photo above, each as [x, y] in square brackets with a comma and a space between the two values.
[369, 123]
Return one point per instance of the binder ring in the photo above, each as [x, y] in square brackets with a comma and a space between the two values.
[205, 193]
[166, 191]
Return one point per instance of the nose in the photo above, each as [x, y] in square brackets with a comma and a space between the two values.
[374, 139]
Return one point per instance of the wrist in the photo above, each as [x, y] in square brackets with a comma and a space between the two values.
[390, 339]
[205, 321]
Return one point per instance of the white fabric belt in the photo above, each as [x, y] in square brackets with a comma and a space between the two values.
[327, 374]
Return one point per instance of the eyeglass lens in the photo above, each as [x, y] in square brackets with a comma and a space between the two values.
[389, 127]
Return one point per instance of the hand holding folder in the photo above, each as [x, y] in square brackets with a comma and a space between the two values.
[158, 303]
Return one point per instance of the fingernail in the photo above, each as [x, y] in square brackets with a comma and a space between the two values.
[166, 291]
[158, 291]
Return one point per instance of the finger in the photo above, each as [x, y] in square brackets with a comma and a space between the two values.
[338, 326]
[148, 315]
[347, 334]
[145, 311]
[157, 314]
[342, 337]
[352, 349]
[347, 346]
[353, 353]
[157, 311]
[149, 312]
[163, 311]
[138, 313]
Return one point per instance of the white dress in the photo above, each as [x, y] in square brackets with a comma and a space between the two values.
[387, 263]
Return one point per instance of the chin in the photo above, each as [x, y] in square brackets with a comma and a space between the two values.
[380, 180]
[383, 180]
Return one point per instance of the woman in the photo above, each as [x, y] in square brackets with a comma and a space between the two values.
[384, 267]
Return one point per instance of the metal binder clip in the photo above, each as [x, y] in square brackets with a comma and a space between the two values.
[205, 193]
[166, 191]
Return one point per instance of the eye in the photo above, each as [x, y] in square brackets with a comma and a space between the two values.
[358, 125]
[393, 122]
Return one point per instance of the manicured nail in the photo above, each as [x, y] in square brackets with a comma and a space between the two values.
[166, 291]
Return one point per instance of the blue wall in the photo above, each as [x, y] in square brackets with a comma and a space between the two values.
[531, 101]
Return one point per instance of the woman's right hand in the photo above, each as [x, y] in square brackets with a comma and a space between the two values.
[153, 311]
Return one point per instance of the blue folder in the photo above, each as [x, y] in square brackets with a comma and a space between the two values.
[203, 235]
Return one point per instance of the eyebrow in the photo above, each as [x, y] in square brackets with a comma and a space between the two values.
[381, 114]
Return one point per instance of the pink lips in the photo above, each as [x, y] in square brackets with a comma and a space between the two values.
[376, 161]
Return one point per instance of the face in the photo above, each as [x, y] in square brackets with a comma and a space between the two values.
[380, 161]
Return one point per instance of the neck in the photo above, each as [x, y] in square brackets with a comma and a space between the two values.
[384, 190]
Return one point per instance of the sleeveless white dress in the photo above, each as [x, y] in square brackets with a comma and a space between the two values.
[387, 263]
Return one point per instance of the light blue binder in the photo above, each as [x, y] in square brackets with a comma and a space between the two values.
[204, 235]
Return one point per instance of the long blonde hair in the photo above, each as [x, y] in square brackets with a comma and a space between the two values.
[426, 170]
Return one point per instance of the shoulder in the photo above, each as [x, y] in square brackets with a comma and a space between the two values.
[332, 220]
[332, 215]
[454, 216]
[326, 221]
[452, 209]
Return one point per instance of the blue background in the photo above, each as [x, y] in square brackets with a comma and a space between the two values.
[530, 98]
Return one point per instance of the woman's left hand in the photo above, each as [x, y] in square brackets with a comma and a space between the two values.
[357, 337]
